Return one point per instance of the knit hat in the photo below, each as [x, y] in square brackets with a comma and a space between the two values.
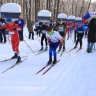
[49, 29]
[79, 24]
[8, 19]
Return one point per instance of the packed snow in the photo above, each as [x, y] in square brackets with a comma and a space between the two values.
[44, 13]
[78, 18]
[62, 15]
[71, 17]
[11, 7]
[74, 75]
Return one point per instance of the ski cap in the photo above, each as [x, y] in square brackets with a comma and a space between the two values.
[50, 30]
[79, 23]
[8, 19]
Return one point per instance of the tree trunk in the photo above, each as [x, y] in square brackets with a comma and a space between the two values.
[81, 8]
[47, 5]
[88, 6]
[30, 8]
[35, 10]
[57, 8]
[54, 9]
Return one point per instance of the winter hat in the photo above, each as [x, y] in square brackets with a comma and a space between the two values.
[50, 30]
[8, 19]
[79, 23]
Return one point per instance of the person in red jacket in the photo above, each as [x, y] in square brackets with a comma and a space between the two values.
[13, 31]
[68, 24]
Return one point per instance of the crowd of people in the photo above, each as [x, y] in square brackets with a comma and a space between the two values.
[54, 34]
[66, 28]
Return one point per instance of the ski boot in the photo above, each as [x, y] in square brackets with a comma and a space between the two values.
[54, 62]
[88, 50]
[46, 48]
[18, 59]
[75, 47]
[50, 61]
[63, 48]
[41, 49]
[15, 56]
[80, 47]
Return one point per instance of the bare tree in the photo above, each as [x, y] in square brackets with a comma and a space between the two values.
[88, 6]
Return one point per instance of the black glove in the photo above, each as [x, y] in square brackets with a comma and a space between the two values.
[14, 28]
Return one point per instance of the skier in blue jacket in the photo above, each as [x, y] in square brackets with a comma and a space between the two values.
[80, 33]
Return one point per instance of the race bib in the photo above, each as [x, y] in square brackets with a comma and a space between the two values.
[80, 31]
[10, 33]
[61, 29]
[43, 31]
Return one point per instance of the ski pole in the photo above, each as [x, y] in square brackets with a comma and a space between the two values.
[71, 39]
[29, 46]
[68, 53]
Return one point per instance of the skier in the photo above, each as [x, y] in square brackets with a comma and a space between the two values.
[54, 40]
[42, 27]
[80, 33]
[13, 31]
[74, 28]
[37, 25]
[53, 24]
[61, 27]
[68, 24]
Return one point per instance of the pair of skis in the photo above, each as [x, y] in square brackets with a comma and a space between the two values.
[10, 59]
[13, 64]
[62, 52]
[51, 65]
[76, 51]
[39, 52]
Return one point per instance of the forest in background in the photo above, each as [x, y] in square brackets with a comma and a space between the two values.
[30, 8]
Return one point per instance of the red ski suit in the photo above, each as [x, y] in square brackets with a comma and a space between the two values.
[68, 24]
[15, 39]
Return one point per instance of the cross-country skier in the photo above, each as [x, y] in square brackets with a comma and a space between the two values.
[42, 27]
[61, 27]
[80, 33]
[54, 40]
[13, 31]
[68, 24]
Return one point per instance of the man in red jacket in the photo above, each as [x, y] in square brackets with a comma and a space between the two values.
[13, 31]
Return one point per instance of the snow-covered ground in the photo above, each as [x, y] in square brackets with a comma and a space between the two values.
[74, 75]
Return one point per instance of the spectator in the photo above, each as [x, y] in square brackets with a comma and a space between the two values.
[2, 31]
[30, 28]
[21, 23]
[91, 34]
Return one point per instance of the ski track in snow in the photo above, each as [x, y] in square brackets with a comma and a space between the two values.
[74, 75]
